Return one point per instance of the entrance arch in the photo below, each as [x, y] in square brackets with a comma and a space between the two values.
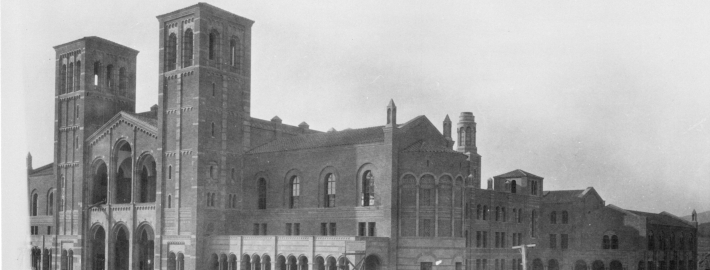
[537, 264]
[144, 247]
[372, 262]
[598, 265]
[97, 250]
[124, 173]
[99, 185]
[146, 179]
[121, 248]
[580, 265]
[615, 265]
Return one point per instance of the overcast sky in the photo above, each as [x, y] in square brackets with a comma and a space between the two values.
[584, 93]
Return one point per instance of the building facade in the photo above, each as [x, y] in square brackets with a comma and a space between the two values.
[197, 183]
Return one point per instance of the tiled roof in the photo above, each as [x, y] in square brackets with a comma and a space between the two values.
[150, 117]
[423, 146]
[517, 173]
[44, 170]
[318, 140]
[562, 195]
[662, 219]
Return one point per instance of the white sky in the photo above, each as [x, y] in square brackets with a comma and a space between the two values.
[584, 93]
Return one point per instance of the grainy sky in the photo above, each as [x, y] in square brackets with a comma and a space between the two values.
[584, 93]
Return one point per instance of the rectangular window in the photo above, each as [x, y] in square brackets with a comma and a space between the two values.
[502, 239]
[49, 229]
[324, 229]
[553, 241]
[263, 229]
[564, 241]
[289, 229]
[370, 228]
[497, 241]
[485, 240]
[478, 264]
[425, 230]
[256, 228]
[332, 229]
[425, 266]
[361, 227]
[297, 229]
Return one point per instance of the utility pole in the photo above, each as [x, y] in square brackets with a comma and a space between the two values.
[523, 250]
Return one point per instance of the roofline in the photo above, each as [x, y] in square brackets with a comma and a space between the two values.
[113, 119]
[97, 38]
[690, 223]
[41, 168]
[160, 17]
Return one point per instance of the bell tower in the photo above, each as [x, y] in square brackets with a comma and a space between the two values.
[204, 103]
[466, 130]
[95, 79]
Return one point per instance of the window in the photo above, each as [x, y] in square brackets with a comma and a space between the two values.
[171, 52]
[34, 230]
[606, 242]
[533, 222]
[614, 242]
[34, 206]
[479, 237]
[468, 136]
[425, 230]
[485, 239]
[368, 189]
[425, 196]
[497, 213]
[122, 80]
[234, 200]
[533, 188]
[170, 200]
[63, 79]
[49, 229]
[327, 229]
[234, 52]
[425, 266]
[564, 241]
[109, 76]
[212, 44]
[329, 190]
[261, 186]
[70, 77]
[361, 229]
[170, 172]
[212, 130]
[565, 217]
[478, 211]
[553, 217]
[187, 48]
[293, 228]
[289, 229]
[50, 203]
[553, 241]
[371, 229]
[502, 239]
[76, 142]
[77, 76]
[213, 171]
[497, 245]
[76, 112]
[295, 192]
[256, 229]
[505, 217]
[513, 187]
[520, 215]
[263, 229]
[485, 212]
[97, 71]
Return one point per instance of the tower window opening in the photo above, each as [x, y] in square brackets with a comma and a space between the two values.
[468, 136]
[368, 189]
[187, 48]
[234, 52]
[109, 76]
[212, 44]
[77, 75]
[97, 71]
[70, 78]
[171, 52]
[63, 79]
[122, 80]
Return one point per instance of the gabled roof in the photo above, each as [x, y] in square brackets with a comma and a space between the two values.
[562, 195]
[517, 173]
[424, 146]
[44, 170]
[663, 218]
[328, 139]
[143, 121]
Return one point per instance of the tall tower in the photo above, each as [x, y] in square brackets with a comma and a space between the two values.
[95, 79]
[466, 130]
[205, 59]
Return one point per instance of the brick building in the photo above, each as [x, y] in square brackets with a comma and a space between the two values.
[197, 183]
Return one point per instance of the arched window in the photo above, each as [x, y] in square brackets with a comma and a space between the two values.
[212, 44]
[170, 172]
[97, 72]
[212, 130]
[70, 78]
[76, 142]
[170, 201]
[34, 206]
[261, 186]
[213, 89]
[614, 242]
[76, 111]
[533, 222]
[505, 217]
[497, 213]
[485, 212]
[468, 136]
[651, 243]
[50, 203]
[553, 217]
[187, 48]
[109, 76]
[515, 214]
[478, 211]
[368, 189]
[606, 242]
[122, 80]
[171, 52]
[63, 79]
[462, 135]
[295, 192]
[234, 52]
[77, 75]
[565, 217]
[329, 190]
[513, 187]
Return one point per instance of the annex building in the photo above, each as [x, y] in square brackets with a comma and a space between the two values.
[197, 183]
